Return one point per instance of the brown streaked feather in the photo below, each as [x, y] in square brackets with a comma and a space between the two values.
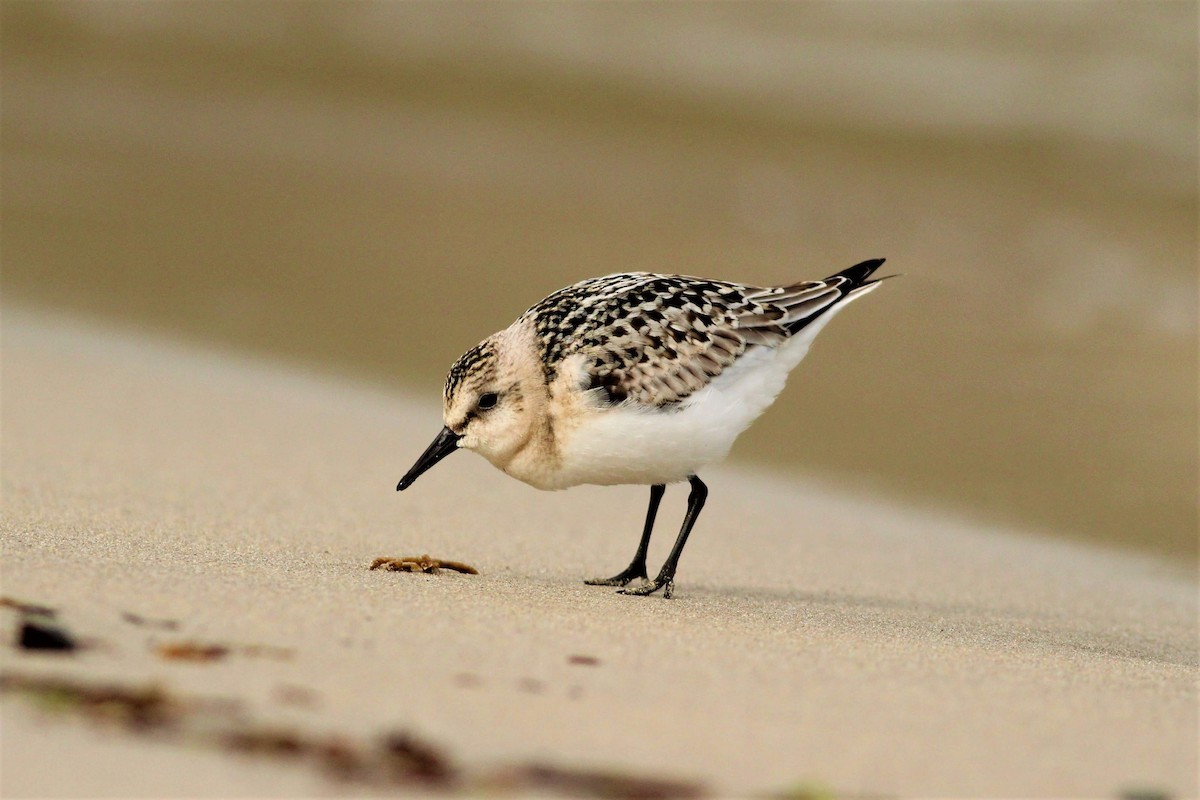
[654, 340]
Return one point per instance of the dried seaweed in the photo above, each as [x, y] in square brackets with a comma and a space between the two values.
[394, 759]
[140, 708]
[425, 563]
[192, 651]
[205, 652]
[397, 758]
[409, 757]
[585, 661]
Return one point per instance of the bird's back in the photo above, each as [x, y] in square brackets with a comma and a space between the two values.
[656, 339]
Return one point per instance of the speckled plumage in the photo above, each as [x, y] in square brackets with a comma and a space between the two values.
[655, 339]
[477, 361]
[633, 378]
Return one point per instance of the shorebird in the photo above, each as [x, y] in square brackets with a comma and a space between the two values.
[636, 378]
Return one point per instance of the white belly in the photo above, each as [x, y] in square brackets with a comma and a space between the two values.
[634, 445]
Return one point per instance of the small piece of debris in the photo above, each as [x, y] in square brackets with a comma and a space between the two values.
[43, 634]
[406, 756]
[584, 661]
[425, 563]
[22, 607]
[211, 651]
[147, 622]
[192, 651]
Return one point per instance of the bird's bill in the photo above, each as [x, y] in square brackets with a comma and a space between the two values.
[445, 444]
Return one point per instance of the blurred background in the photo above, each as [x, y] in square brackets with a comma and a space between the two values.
[370, 188]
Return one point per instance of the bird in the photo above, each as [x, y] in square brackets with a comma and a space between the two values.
[633, 378]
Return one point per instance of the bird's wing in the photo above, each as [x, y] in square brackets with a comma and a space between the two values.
[653, 340]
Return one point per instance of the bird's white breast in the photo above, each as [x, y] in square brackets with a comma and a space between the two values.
[632, 444]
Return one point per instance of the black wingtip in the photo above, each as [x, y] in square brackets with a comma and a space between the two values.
[861, 271]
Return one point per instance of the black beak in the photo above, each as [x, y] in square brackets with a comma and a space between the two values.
[445, 444]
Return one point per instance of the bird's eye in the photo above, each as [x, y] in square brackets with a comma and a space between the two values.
[488, 401]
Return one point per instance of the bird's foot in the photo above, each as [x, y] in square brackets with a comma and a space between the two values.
[667, 584]
[623, 578]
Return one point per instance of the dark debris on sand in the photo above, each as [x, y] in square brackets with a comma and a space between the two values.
[140, 709]
[394, 759]
[39, 633]
[203, 652]
[23, 607]
[39, 628]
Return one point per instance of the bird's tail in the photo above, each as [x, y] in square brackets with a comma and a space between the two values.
[858, 274]
[811, 301]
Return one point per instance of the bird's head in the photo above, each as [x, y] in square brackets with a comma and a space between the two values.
[490, 403]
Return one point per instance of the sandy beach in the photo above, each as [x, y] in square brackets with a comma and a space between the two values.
[157, 495]
[1030, 168]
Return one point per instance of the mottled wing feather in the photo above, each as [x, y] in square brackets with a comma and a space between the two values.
[655, 339]
[804, 301]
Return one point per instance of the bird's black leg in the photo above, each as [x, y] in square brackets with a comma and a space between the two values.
[666, 576]
[637, 567]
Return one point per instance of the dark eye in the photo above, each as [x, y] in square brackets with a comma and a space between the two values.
[488, 401]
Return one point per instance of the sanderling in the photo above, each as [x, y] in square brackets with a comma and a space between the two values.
[633, 378]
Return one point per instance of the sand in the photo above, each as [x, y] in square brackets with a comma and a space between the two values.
[820, 636]
[1029, 167]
